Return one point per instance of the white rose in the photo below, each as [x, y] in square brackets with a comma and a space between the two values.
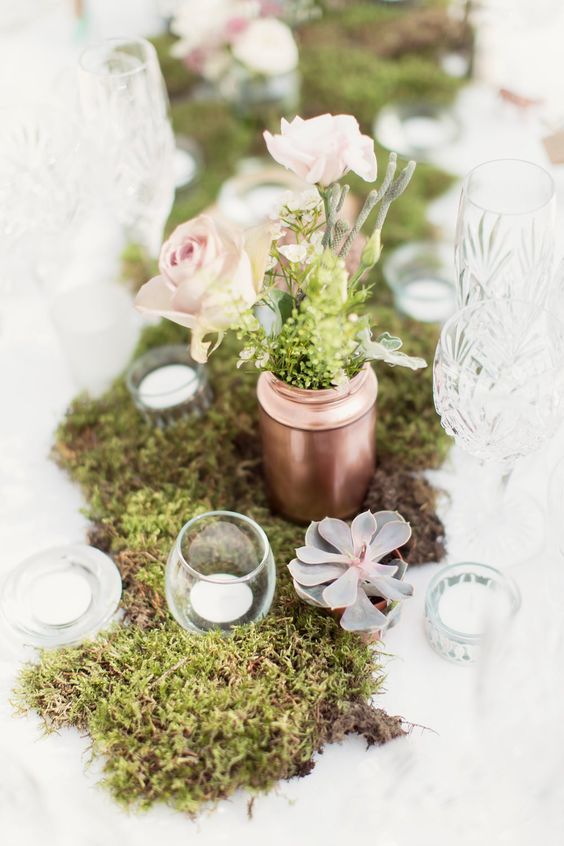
[267, 46]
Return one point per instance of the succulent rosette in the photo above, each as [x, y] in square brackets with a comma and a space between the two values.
[340, 567]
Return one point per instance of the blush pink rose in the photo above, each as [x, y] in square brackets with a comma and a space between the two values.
[209, 274]
[321, 150]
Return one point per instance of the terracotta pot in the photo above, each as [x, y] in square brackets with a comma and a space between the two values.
[319, 447]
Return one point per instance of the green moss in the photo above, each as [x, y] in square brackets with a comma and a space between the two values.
[188, 720]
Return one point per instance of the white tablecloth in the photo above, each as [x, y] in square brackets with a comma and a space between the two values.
[467, 780]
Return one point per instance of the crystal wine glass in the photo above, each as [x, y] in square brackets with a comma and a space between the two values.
[498, 391]
[505, 232]
[43, 189]
[124, 100]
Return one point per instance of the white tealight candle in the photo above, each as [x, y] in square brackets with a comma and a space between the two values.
[468, 607]
[424, 132]
[168, 385]
[220, 602]
[427, 298]
[60, 598]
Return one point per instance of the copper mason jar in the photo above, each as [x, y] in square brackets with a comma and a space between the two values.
[319, 447]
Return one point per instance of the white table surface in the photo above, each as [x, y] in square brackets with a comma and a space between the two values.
[489, 775]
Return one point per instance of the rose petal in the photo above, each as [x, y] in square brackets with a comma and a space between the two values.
[392, 535]
[309, 575]
[155, 297]
[311, 555]
[362, 616]
[337, 533]
[342, 592]
[362, 530]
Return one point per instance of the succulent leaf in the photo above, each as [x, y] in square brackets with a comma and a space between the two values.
[362, 616]
[314, 574]
[342, 592]
[363, 528]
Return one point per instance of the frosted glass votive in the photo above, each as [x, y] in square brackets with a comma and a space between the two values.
[96, 327]
[166, 384]
[463, 602]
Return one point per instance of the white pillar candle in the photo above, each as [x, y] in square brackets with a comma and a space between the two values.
[168, 385]
[60, 598]
[468, 607]
[220, 602]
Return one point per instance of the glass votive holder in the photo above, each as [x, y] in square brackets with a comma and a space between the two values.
[415, 129]
[60, 596]
[256, 192]
[96, 327]
[187, 162]
[166, 384]
[463, 602]
[220, 573]
[420, 276]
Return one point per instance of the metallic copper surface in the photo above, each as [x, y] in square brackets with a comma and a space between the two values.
[319, 447]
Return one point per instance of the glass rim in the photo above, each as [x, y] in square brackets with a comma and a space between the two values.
[146, 363]
[115, 41]
[482, 304]
[465, 194]
[504, 581]
[259, 531]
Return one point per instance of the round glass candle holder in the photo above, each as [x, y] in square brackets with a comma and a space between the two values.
[187, 162]
[415, 129]
[420, 276]
[220, 573]
[256, 192]
[463, 602]
[166, 385]
[61, 595]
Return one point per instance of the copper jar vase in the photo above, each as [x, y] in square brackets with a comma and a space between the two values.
[318, 447]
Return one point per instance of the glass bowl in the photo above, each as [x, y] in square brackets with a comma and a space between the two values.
[420, 276]
[220, 573]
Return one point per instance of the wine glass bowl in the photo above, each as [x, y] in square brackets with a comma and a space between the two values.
[504, 243]
[496, 378]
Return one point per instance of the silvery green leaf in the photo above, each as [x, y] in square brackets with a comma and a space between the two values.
[342, 592]
[362, 616]
[309, 575]
[383, 517]
[311, 555]
[390, 342]
[363, 528]
[313, 538]
[337, 533]
[392, 535]
[388, 588]
[312, 595]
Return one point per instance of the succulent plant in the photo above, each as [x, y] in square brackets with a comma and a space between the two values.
[339, 567]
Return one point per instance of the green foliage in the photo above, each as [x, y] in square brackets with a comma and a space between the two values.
[179, 718]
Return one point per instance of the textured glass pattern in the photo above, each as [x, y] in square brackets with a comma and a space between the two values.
[505, 233]
[125, 104]
[497, 378]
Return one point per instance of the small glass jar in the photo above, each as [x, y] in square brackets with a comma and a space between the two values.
[415, 130]
[253, 95]
[463, 602]
[220, 573]
[421, 278]
[166, 385]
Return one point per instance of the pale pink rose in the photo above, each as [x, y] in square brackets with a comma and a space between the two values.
[321, 150]
[267, 47]
[209, 274]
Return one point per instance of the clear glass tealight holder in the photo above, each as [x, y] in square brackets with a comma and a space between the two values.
[166, 384]
[220, 573]
[421, 278]
[463, 602]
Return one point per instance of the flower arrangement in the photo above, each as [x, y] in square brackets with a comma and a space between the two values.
[220, 39]
[340, 567]
[286, 286]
